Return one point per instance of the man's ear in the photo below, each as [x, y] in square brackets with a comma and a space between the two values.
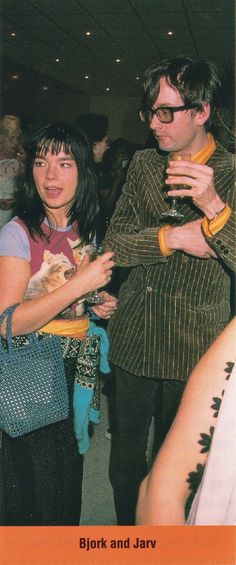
[202, 116]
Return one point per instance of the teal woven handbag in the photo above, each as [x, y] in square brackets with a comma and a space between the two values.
[33, 388]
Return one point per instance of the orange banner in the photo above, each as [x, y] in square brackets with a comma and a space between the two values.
[118, 545]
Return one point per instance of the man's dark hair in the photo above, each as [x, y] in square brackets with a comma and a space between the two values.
[95, 126]
[84, 208]
[196, 81]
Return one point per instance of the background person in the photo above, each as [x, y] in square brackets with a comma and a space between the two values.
[199, 447]
[176, 299]
[95, 127]
[12, 157]
[45, 267]
[115, 166]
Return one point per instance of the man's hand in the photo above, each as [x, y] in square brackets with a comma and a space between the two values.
[107, 309]
[200, 180]
[190, 239]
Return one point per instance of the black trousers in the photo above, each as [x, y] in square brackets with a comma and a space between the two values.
[138, 399]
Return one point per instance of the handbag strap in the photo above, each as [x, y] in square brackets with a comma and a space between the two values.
[8, 313]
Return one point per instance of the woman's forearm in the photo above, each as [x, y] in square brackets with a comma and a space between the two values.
[31, 315]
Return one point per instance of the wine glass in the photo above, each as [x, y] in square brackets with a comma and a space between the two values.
[174, 211]
[96, 249]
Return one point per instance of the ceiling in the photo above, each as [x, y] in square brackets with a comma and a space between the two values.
[35, 33]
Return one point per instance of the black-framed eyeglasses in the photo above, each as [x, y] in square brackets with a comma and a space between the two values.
[164, 113]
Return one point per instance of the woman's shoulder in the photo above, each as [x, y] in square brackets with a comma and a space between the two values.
[14, 241]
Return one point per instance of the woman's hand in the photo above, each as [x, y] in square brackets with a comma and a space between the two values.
[107, 309]
[95, 274]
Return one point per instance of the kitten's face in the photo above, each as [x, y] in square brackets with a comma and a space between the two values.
[57, 265]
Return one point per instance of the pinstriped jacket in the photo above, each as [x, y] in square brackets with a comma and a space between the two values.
[170, 309]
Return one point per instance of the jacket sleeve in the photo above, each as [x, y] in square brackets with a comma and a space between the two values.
[127, 236]
[224, 241]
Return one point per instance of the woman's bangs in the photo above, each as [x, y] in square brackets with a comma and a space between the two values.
[54, 145]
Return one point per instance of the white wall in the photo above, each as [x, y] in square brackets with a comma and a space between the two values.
[123, 116]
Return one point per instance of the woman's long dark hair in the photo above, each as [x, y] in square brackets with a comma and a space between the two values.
[84, 209]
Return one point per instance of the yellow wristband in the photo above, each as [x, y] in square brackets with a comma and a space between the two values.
[211, 227]
[162, 241]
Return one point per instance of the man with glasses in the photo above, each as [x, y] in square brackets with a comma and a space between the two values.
[177, 297]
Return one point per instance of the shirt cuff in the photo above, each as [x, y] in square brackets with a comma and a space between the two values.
[211, 227]
[162, 241]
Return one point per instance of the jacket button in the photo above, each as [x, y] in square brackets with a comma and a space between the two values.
[218, 242]
[149, 288]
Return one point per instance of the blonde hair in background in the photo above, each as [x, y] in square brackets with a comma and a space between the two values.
[10, 133]
[10, 123]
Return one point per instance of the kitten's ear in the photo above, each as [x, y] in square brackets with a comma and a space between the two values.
[74, 244]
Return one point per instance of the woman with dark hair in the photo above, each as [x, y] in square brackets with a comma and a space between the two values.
[44, 266]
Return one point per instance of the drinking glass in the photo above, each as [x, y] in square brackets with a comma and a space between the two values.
[174, 211]
[94, 297]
